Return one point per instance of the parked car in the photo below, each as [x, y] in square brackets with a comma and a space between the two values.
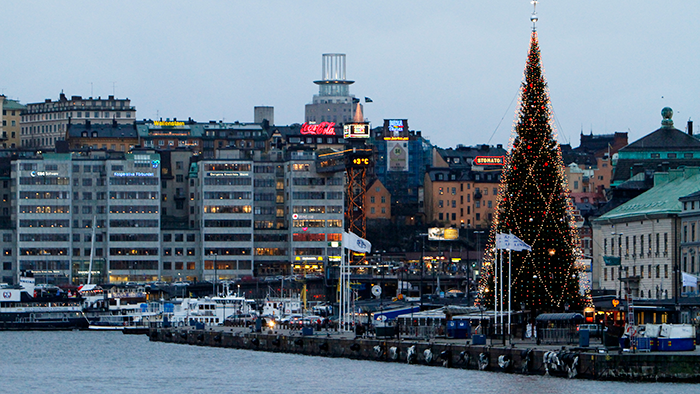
[289, 318]
[312, 320]
[242, 319]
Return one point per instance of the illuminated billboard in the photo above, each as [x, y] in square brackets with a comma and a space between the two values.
[489, 160]
[356, 130]
[395, 129]
[442, 234]
[397, 155]
[323, 128]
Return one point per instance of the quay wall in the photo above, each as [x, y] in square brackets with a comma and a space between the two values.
[563, 362]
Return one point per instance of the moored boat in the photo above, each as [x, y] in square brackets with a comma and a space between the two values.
[22, 307]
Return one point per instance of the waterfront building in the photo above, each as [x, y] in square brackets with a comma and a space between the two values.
[636, 245]
[62, 199]
[42, 124]
[10, 120]
[690, 242]
[316, 202]
[223, 205]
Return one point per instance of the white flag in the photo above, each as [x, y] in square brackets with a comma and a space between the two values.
[353, 242]
[511, 242]
[690, 280]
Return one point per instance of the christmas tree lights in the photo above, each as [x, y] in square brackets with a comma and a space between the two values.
[534, 205]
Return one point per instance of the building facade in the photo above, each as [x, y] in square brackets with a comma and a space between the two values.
[10, 118]
[637, 246]
[42, 124]
[333, 103]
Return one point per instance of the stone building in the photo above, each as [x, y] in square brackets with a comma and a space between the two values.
[637, 246]
[44, 123]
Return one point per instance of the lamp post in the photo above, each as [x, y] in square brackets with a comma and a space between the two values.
[216, 255]
[469, 268]
[619, 253]
[422, 268]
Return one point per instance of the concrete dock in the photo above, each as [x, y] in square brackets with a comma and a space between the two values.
[520, 356]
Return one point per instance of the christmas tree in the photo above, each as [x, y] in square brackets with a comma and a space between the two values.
[534, 205]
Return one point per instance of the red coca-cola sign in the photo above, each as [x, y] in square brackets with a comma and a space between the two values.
[323, 128]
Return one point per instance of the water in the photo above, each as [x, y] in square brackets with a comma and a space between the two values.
[97, 362]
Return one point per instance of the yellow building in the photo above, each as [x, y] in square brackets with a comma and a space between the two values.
[11, 116]
[459, 190]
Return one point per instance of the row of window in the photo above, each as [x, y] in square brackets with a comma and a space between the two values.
[642, 250]
[317, 195]
[228, 209]
[227, 195]
[317, 223]
[47, 209]
[228, 181]
[44, 181]
[650, 271]
[228, 237]
[310, 237]
[453, 216]
[227, 167]
[133, 181]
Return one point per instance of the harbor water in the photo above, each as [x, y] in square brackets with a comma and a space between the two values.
[98, 361]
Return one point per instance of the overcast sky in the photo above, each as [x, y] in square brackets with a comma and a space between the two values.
[452, 68]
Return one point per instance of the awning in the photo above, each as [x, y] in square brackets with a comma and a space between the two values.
[572, 317]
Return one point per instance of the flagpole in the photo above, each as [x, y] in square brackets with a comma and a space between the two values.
[340, 288]
[510, 287]
[495, 293]
[500, 283]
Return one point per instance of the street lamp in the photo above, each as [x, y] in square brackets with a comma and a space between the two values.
[216, 255]
[422, 268]
[469, 268]
[619, 253]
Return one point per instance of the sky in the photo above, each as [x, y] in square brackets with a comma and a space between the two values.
[452, 68]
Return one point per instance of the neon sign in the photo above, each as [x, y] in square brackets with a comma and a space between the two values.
[323, 128]
[489, 160]
[167, 124]
[395, 126]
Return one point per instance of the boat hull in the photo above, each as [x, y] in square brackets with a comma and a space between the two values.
[23, 321]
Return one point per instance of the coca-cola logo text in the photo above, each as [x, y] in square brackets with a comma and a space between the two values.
[323, 128]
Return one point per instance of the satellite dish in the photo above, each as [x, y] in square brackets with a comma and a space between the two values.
[376, 290]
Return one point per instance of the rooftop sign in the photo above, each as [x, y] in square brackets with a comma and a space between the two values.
[323, 128]
[167, 124]
[356, 130]
[489, 160]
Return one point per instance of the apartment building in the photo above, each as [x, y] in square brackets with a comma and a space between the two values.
[42, 124]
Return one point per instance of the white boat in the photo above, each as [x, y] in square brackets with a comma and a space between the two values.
[118, 309]
[279, 307]
[209, 310]
[24, 307]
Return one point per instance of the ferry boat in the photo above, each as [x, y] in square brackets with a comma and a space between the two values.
[209, 310]
[24, 307]
[279, 307]
[120, 309]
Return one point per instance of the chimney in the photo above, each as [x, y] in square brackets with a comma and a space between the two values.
[690, 127]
